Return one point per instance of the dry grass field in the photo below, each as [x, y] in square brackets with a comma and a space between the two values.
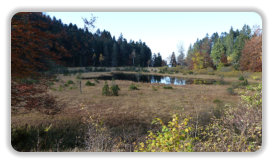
[126, 117]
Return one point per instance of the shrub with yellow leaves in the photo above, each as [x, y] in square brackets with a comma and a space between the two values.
[174, 137]
[239, 129]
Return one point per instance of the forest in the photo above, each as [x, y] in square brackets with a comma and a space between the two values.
[77, 47]
[77, 90]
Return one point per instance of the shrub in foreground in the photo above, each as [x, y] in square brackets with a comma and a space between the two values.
[58, 136]
[237, 129]
[173, 137]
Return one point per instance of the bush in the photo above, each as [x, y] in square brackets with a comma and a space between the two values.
[105, 89]
[225, 129]
[167, 87]
[174, 137]
[133, 87]
[70, 82]
[88, 83]
[239, 129]
[241, 78]
[244, 83]
[114, 90]
[256, 78]
[217, 101]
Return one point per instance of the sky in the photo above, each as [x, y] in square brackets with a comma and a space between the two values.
[163, 32]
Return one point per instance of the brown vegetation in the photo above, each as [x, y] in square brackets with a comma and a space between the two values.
[252, 54]
[125, 118]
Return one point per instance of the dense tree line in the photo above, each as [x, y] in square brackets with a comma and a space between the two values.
[83, 47]
[240, 49]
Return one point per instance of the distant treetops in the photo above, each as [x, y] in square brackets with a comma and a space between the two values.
[39, 42]
[240, 49]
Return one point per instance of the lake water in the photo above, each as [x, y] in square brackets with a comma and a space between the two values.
[153, 79]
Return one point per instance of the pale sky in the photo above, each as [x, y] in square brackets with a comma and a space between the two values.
[163, 31]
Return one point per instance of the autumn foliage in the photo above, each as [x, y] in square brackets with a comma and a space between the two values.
[32, 49]
[251, 58]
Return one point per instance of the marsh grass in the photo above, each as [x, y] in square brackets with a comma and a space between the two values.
[125, 118]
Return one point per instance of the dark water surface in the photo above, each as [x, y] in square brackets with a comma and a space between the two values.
[153, 79]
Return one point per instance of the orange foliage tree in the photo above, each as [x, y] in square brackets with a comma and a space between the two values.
[32, 48]
[251, 58]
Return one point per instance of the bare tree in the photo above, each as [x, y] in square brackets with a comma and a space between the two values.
[181, 52]
[89, 24]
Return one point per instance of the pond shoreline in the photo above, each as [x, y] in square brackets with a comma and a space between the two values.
[92, 75]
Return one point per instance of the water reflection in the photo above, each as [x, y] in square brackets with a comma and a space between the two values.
[154, 79]
[167, 80]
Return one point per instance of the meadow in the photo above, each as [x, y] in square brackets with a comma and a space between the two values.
[87, 120]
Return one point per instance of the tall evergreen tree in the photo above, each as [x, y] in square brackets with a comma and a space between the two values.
[229, 42]
[205, 51]
[173, 61]
[239, 45]
[217, 52]
[114, 55]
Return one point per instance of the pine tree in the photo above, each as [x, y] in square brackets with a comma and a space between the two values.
[229, 42]
[173, 61]
[205, 50]
[239, 45]
[114, 55]
[217, 52]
